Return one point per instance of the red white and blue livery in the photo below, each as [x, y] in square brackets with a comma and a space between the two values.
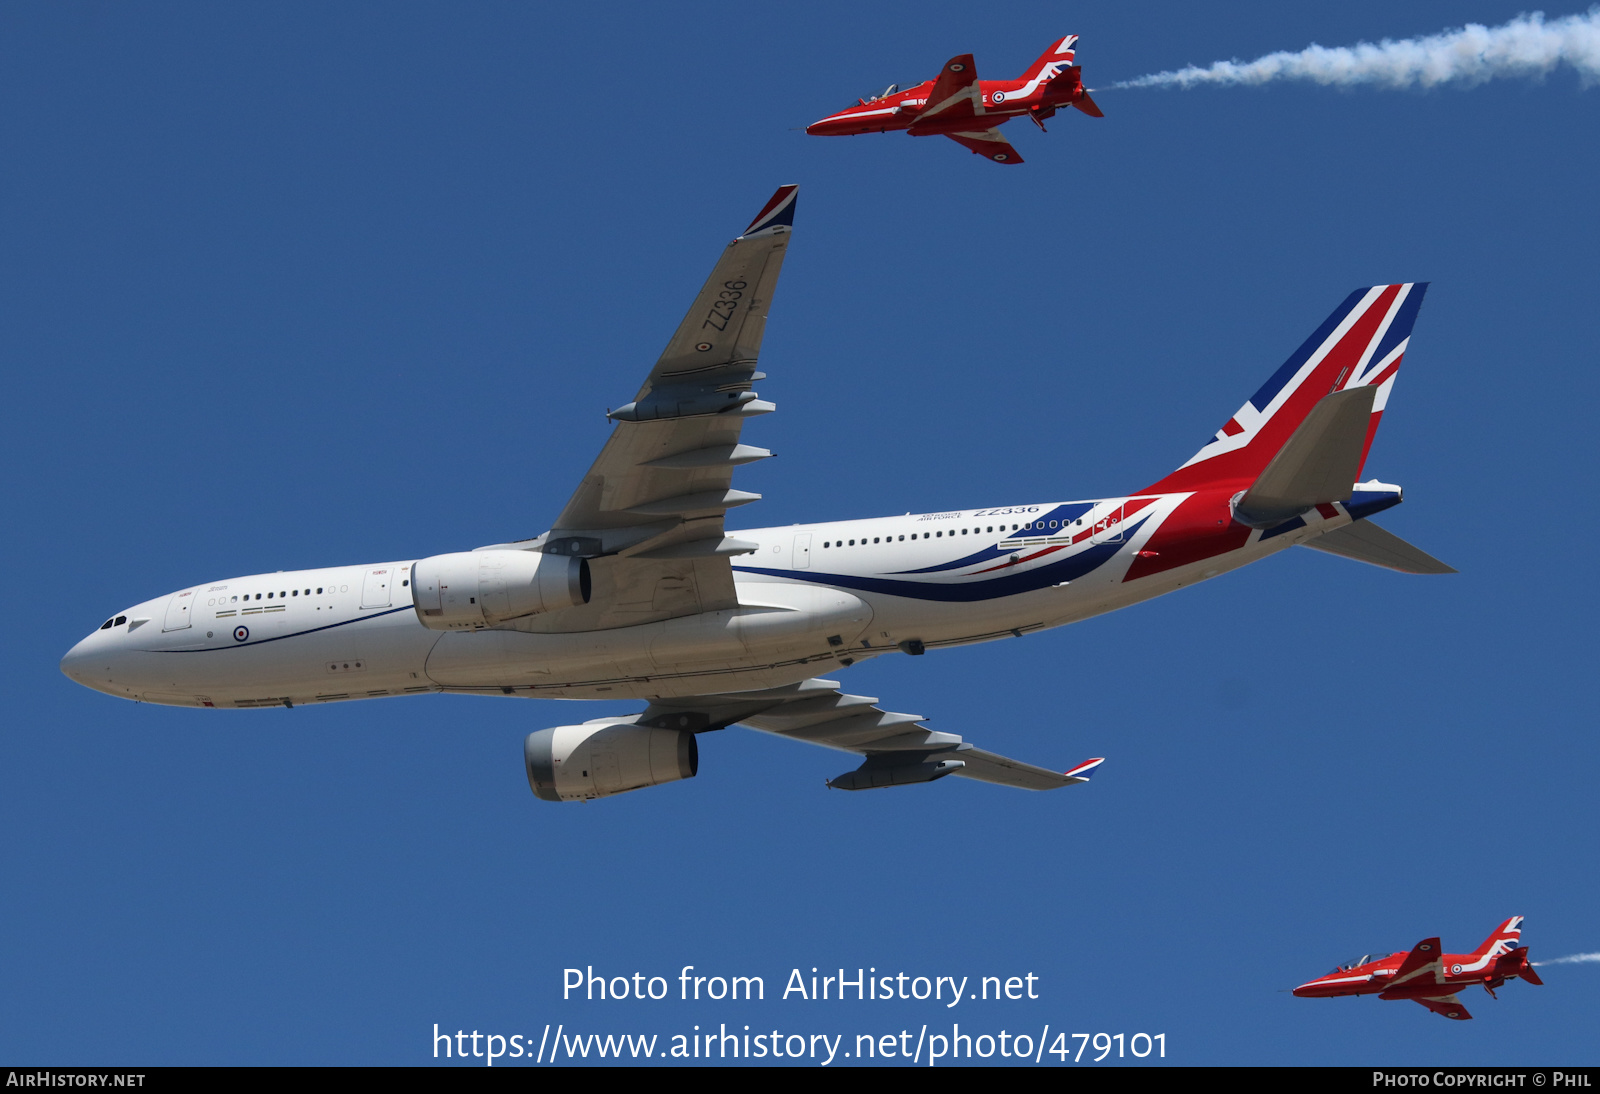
[968, 110]
[1428, 976]
[639, 590]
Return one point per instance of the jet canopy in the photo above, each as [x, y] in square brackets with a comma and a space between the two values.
[1364, 959]
[884, 94]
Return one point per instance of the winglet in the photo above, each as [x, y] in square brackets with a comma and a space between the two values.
[1081, 772]
[779, 209]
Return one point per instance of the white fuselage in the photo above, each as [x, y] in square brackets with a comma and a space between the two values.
[812, 598]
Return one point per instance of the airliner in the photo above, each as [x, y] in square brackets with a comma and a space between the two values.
[640, 591]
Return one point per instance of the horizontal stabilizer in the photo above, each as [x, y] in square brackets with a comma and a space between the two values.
[1317, 464]
[1087, 105]
[1366, 542]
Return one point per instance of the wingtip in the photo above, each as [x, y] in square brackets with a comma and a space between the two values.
[1083, 769]
[779, 210]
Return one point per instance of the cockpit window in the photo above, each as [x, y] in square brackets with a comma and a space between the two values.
[121, 619]
[1364, 959]
[106, 626]
[884, 94]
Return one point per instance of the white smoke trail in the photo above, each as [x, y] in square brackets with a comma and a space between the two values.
[1572, 959]
[1473, 54]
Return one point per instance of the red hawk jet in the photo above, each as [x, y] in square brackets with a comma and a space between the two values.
[967, 110]
[1429, 977]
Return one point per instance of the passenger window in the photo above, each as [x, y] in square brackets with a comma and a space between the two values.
[258, 596]
[269, 596]
[902, 539]
[404, 583]
[875, 539]
[852, 543]
[940, 533]
[121, 619]
[992, 528]
[319, 590]
[296, 592]
[963, 531]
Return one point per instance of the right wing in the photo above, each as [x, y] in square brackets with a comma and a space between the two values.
[987, 143]
[1366, 542]
[898, 749]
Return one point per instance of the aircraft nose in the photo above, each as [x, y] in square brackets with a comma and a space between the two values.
[75, 665]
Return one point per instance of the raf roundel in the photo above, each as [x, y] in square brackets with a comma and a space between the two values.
[703, 346]
[999, 96]
[241, 633]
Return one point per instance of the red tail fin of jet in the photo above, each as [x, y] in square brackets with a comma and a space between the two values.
[1504, 939]
[1058, 55]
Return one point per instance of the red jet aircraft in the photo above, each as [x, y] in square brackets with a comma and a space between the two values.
[1429, 977]
[967, 110]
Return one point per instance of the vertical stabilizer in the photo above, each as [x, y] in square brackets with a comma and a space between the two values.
[1504, 939]
[1059, 55]
[1359, 345]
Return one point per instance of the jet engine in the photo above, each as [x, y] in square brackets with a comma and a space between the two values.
[474, 589]
[576, 763]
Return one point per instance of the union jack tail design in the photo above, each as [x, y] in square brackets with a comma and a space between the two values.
[779, 210]
[1359, 345]
[1060, 55]
[1504, 939]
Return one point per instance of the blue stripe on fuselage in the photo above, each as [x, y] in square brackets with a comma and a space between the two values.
[990, 588]
[1062, 514]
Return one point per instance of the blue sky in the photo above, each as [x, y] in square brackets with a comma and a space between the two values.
[294, 286]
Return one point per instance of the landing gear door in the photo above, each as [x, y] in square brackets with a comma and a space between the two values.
[802, 551]
[179, 609]
[1108, 527]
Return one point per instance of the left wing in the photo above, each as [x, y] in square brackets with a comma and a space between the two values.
[955, 94]
[1447, 1005]
[898, 749]
[1421, 965]
[649, 512]
[987, 143]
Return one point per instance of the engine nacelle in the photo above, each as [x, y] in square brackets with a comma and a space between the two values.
[473, 589]
[576, 763]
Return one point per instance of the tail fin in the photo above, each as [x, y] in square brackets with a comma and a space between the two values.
[1504, 939]
[1359, 345]
[1058, 56]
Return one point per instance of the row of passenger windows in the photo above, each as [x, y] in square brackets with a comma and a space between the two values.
[1037, 525]
[270, 596]
[281, 595]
